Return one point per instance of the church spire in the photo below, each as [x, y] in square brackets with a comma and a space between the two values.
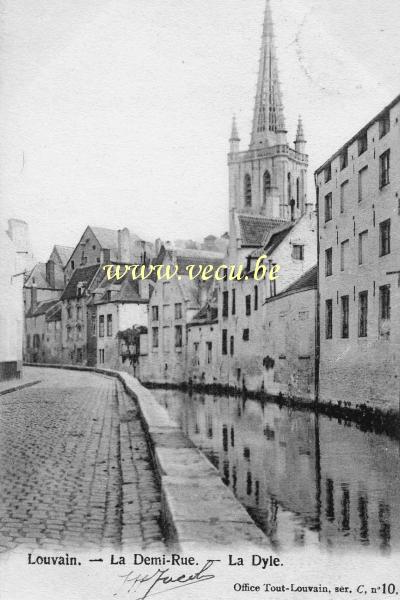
[268, 121]
[234, 139]
[300, 141]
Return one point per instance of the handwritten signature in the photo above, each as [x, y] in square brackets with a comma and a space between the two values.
[136, 583]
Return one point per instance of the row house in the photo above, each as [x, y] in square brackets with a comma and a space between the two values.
[74, 314]
[117, 310]
[40, 344]
[203, 359]
[247, 320]
[172, 306]
[46, 280]
[358, 192]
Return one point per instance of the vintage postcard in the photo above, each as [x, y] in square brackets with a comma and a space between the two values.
[200, 299]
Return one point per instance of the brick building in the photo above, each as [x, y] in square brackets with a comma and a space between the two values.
[359, 266]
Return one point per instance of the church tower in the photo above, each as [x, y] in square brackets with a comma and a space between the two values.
[267, 181]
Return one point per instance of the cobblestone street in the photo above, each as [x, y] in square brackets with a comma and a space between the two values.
[75, 470]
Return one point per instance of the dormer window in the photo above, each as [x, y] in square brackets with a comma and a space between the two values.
[344, 159]
[80, 289]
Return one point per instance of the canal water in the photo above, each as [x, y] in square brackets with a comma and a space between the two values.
[306, 480]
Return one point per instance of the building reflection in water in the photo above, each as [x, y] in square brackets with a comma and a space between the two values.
[306, 480]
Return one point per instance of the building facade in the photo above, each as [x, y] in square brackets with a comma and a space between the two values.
[359, 267]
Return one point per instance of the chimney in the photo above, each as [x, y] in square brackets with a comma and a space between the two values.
[124, 254]
[51, 273]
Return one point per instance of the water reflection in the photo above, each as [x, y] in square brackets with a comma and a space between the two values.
[306, 480]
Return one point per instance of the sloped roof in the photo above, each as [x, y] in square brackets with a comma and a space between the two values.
[54, 313]
[187, 256]
[126, 291]
[255, 229]
[277, 238]
[64, 252]
[41, 308]
[39, 274]
[308, 281]
[80, 275]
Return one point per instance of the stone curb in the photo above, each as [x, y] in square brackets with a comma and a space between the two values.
[22, 386]
[198, 510]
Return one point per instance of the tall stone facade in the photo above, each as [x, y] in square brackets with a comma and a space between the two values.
[359, 267]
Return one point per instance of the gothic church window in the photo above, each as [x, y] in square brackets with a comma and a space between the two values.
[247, 190]
[267, 185]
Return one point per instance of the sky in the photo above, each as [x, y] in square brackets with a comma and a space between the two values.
[117, 113]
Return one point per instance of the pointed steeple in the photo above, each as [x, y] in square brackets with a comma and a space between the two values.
[300, 141]
[268, 121]
[234, 139]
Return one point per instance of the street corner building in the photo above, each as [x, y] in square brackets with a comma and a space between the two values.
[359, 267]
[16, 257]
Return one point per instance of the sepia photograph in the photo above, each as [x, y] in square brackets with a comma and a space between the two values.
[200, 299]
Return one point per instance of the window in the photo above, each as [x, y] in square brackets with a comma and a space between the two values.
[328, 173]
[79, 312]
[72, 265]
[344, 159]
[101, 326]
[247, 190]
[362, 314]
[328, 262]
[256, 297]
[178, 336]
[298, 252]
[28, 341]
[344, 190]
[246, 335]
[384, 238]
[362, 184]
[224, 341]
[69, 335]
[328, 319]
[178, 310]
[109, 325]
[155, 337]
[248, 305]
[384, 124]
[166, 339]
[233, 301]
[154, 313]
[101, 357]
[69, 312]
[328, 207]
[232, 345]
[362, 143]
[362, 245]
[266, 186]
[298, 192]
[58, 325]
[344, 247]
[345, 316]
[225, 300]
[196, 360]
[93, 324]
[384, 166]
[79, 330]
[209, 353]
[384, 311]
